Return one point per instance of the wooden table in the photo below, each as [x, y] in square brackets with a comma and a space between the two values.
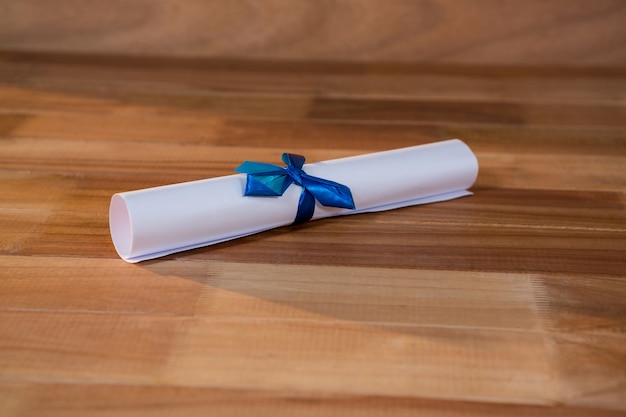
[510, 302]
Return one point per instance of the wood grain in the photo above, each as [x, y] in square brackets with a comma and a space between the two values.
[491, 32]
[508, 302]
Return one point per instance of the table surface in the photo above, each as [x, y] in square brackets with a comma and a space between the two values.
[508, 302]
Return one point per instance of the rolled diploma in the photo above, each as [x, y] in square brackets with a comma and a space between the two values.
[154, 222]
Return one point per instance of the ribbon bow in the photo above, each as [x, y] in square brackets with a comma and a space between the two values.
[271, 180]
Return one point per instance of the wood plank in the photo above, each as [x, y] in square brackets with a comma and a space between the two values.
[556, 32]
[405, 300]
[71, 399]
[466, 112]
[564, 172]
[32, 284]
[225, 77]
[213, 130]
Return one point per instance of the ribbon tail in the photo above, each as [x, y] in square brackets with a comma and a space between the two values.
[329, 193]
[306, 207]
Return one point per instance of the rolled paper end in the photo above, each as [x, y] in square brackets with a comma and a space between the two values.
[120, 226]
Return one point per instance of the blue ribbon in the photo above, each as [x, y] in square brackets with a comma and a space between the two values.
[266, 180]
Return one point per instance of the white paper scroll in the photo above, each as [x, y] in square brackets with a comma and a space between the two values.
[154, 222]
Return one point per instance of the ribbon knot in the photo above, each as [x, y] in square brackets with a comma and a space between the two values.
[265, 180]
